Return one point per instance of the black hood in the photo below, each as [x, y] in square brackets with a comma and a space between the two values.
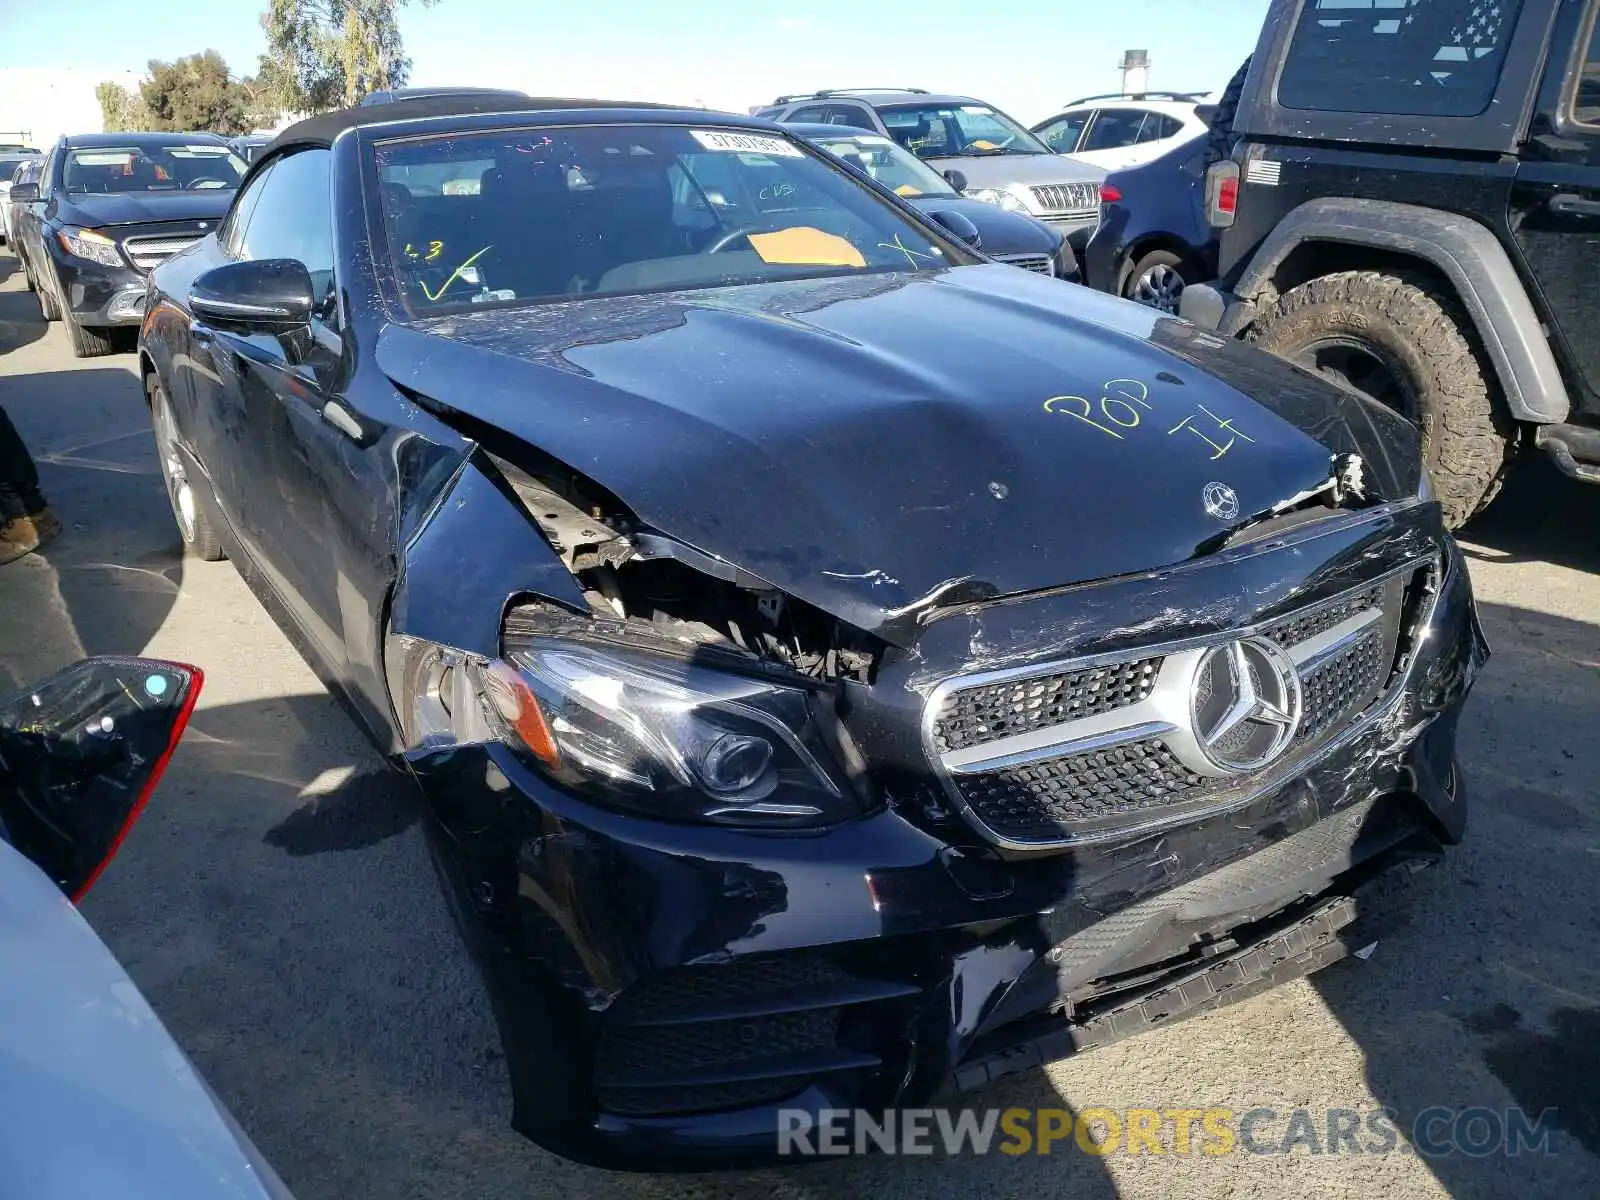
[863, 442]
[137, 208]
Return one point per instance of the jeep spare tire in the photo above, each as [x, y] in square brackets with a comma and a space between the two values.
[1393, 337]
[1219, 137]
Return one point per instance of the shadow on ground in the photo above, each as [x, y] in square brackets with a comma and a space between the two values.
[1510, 1017]
[109, 581]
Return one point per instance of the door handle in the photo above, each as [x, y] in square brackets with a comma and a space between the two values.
[1569, 205]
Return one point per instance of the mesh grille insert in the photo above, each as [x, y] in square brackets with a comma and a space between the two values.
[986, 713]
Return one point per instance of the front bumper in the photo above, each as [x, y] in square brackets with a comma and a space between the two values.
[1212, 306]
[97, 295]
[663, 991]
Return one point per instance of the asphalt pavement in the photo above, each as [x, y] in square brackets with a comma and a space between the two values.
[277, 907]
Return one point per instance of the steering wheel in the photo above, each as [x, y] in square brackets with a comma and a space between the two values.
[719, 244]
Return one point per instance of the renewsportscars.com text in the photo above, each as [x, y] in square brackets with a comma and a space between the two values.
[1215, 1131]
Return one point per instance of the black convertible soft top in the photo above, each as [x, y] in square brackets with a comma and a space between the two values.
[321, 130]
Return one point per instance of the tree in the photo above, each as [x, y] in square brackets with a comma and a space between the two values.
[196, 93]
[324, 54]
[121, 111]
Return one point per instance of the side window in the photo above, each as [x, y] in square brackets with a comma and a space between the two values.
[293, 218]
[811, 112]
[231, 236]
[1062, 134]
[1114, 128]
[1586, 100]
[1158, 127]
[1434, 58]
[851, 115]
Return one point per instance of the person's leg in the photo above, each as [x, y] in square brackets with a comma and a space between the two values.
[19, 478]
[25, 520]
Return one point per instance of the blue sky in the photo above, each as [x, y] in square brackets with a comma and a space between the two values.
[1027, 56]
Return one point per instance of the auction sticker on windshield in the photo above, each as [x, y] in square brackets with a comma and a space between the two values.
[746, 143]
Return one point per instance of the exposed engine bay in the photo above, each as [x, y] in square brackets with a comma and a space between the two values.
[669, 592]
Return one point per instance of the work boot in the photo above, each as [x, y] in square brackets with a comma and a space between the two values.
[24, 535]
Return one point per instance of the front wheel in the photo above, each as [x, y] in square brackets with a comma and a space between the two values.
[1158, 280]
[1406, 344]
[199, 538]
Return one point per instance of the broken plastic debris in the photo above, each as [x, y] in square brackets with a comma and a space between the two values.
[1366, 951]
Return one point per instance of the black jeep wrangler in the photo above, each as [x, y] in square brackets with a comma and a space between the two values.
[1409, 200]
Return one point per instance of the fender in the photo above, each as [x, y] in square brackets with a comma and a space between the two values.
[1471, 258]
[473, 554]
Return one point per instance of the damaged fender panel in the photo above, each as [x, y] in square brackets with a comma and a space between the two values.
[475, 551]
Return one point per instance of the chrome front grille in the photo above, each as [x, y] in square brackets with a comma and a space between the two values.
[1043, 264]
[148, 253]
[1059, 753]
[1078, 199]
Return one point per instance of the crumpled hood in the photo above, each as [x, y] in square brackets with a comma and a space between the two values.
[133, 208]
[862, 442]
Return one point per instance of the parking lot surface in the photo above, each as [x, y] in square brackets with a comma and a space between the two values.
[277, 907]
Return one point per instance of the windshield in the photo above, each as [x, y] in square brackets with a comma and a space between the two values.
[151, 167]
[897, 169]
[942, 130]
[603, 210]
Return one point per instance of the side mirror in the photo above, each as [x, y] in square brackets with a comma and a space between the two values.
[80, 754]
[958, 224]
[956, 179]
[268, 295]
[24, 193]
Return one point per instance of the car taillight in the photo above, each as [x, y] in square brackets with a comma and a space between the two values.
[1222, 194]
[1110, 193]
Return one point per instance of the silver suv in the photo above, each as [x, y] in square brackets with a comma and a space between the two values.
[987, 154]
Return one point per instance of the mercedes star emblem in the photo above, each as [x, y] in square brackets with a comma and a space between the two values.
[1221, 501]
[1245, 704]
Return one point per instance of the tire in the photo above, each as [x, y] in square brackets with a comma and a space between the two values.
[1219, 141]
[88, 342]
[1158, 279]
[200, 539]
[1420, 337]
[27, 274]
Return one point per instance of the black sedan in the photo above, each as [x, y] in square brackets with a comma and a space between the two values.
[841, 670]
[105, 209]
[1008, 237]
[1153, 236]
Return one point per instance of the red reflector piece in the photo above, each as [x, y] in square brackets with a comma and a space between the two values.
[1110, 193]
[1228, 195]
[179, 724]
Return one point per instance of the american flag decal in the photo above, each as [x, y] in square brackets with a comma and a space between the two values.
[1475, 29]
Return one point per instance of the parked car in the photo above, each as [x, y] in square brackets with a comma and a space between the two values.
[841, 670]
[14, 168]
[249, 147]
[1421, 225]
[1154, 238]
[1009, 237]
[96, 1099]
[1125, 130]
[107, 208]
[1001, 162]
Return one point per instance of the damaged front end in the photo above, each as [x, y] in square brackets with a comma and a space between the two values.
[722, 850]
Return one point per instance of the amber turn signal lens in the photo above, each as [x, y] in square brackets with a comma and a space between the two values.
[519, 708]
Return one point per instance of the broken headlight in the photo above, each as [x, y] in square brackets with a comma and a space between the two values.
[666, 736]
